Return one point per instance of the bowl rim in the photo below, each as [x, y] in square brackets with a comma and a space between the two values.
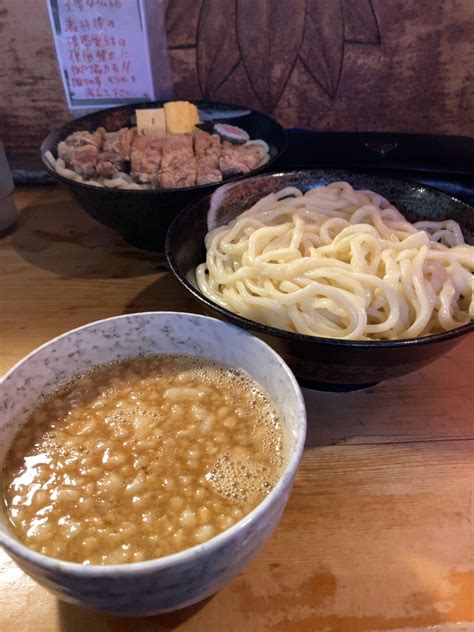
[293, 336]
[12, 544]
[197, 187]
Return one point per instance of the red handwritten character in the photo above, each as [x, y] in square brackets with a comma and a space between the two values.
[98, 23]
[111, 24]
[87, 56]
[77, 82]
[86, 41]
[68, 6]
[70, 24]
[84, 24]
[106, 92]
[126, 66]
[115, 4]
[79, 4]
[101, 55]
[90, 92]
[111, 55]
[106, 68]
[115, 68]
[98, 69]
[98, 80]
[76, 70]
[133, 79]
[122, 42]
[72, 41]
[97, 40]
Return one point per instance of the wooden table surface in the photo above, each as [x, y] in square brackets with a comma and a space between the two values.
[378, 533]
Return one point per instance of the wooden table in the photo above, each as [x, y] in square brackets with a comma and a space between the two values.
[378, 534]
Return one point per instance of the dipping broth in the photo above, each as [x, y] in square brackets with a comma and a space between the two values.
[142, 458]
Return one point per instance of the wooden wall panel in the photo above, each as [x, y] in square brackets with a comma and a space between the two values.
[32, 99]
[366, 65]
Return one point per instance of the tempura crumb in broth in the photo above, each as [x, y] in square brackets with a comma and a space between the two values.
[142, 458]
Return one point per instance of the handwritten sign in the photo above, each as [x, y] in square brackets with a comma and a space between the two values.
[103, 51]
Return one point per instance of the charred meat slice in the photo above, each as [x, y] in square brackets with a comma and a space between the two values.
[146, 156]
[116, 152]
[80, 158]
[109, 164]
[207, 148]
[80, 151]
[237, 159]
[178, 163]
[77, 139]
[120, 142]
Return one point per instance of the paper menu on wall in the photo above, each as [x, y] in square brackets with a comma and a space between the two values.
[104, 52]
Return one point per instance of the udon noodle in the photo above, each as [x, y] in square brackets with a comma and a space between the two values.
[339, 263]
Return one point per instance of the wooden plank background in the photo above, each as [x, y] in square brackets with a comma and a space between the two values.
[352, 65]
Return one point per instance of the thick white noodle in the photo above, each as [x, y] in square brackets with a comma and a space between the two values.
[339, 263]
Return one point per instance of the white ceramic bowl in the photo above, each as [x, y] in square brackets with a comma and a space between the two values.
[178, 580]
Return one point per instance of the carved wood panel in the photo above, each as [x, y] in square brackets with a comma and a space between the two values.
[394, 65]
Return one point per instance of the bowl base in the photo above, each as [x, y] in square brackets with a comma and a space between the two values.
[151, 242]
[333, 388]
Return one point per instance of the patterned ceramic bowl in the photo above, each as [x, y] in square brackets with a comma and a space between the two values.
[178, 580]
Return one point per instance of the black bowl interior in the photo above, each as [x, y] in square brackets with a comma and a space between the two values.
[143, 217]
[320, 360]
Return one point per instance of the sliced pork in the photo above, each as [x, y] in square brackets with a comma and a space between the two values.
[207, 148]
[115, 152]
[146, 157]
[178, 163]
[237, 159]
[165, 161]
[80, 151]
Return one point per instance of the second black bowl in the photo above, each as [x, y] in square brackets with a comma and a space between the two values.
[143, 217]
[322, 363]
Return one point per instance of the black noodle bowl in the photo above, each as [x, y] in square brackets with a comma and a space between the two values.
[323, 363]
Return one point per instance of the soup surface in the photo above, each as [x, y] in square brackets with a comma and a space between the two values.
[142, 458]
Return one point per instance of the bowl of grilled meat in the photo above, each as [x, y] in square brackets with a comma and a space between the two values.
[134, 167]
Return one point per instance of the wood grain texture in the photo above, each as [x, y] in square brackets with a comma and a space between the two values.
[378, 533]
[269, 41]
[217, 51]
[322, 49]
[364, 65]
[32, 100]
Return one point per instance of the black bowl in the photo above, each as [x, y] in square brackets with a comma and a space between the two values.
[143, 217]
[322, 363]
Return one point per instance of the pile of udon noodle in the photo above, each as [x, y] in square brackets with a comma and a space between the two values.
[340, 263]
